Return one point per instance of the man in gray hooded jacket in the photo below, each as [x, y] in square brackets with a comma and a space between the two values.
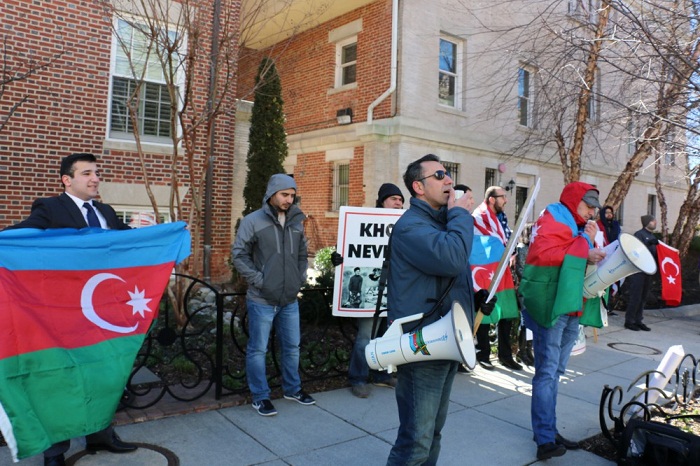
[270, 253]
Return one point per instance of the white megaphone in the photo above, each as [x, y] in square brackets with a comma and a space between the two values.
[448, 338]
[630, 257]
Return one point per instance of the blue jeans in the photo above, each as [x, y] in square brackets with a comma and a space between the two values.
[552, 348]
[261, 318]
[422, 395]
[358, 371]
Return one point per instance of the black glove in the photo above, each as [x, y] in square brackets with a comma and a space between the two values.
[480, 304]
[336, 259]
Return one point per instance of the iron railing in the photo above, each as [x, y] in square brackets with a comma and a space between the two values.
[205, 346]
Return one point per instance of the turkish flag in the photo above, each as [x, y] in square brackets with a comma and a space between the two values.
[670, 271]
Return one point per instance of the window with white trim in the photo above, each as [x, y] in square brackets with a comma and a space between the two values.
[651, 204]
[453, 168]
[526, 96]
[449, 75]
[136, 68]
[583, 10]
[489, 178]
[346, 62]
[341, 184]
[633, 132]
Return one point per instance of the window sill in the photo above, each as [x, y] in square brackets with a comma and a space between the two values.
[332, 214]
[451, 110]
[347, 87]
[129, 145]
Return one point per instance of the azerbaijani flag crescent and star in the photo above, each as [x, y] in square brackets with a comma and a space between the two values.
[488, 246]
[75, 307]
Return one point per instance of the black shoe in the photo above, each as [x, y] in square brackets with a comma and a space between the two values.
[265, 407]
[633, 327]
[462, 369]
[58, 460]
[643, 327]
[550, 450]
[510, 364]
[612, 314]
[487, 365]
[301, 397]
[568, 444]
[115, 445]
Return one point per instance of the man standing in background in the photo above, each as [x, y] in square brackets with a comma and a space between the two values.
[270, 253]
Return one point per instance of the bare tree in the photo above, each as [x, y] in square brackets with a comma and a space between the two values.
[21, 67]
[648, 53]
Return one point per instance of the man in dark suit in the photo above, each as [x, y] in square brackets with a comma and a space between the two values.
[77, 208]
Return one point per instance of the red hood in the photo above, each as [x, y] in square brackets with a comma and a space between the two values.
[571, 196]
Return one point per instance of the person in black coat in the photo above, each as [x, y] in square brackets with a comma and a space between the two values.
[76, 208]
[640, 283]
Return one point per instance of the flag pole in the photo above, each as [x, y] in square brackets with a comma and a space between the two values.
[510, 247]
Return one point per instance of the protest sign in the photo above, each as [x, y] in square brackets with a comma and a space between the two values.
[363, 236]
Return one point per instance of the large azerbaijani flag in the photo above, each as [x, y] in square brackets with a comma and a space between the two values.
[485, 256]
[75, 306]
[552, 283]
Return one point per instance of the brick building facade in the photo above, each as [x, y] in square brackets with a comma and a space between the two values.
[66, 107]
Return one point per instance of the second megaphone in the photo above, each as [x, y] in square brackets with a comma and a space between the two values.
[449, 338]
[630, 257]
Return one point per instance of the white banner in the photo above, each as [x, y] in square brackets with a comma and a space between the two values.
[363, 236]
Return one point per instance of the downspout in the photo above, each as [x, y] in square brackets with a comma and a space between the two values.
[394, 54]
[209, 181]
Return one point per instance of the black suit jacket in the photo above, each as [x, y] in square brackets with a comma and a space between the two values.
[61, 212]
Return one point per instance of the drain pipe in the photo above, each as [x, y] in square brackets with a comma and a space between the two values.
[394, 53]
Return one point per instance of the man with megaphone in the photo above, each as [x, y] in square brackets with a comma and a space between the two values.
[561, 248]
[429, 270]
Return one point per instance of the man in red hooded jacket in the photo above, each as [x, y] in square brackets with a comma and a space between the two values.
[562, 246]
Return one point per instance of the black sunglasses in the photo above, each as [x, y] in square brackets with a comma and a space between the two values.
[440, 175]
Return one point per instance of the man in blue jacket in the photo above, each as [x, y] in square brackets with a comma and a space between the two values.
[430, 247]
[270, 253]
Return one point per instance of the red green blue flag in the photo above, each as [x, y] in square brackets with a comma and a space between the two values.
[485, 256]
[75, 306]
[552, 283]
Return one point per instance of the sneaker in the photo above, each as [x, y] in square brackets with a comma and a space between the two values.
[301, 397]
[361, 390]
[550, 450]
[264, 408]
[389, 382]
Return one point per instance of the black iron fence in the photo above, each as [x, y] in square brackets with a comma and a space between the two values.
[203, 346]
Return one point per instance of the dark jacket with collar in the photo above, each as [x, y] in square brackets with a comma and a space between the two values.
[428, 248]
[61, 212]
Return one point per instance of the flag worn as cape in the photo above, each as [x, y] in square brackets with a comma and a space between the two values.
[75, 306]
[485, 256]
[552, 283]
[670, 271]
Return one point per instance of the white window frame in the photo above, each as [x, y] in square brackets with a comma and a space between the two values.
[140, 216]
[151, 77]
[583, 10]
[340, 66]
[527, 97]
[341, 191]
[455, 74]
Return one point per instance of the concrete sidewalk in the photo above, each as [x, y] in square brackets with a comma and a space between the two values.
[343, 430]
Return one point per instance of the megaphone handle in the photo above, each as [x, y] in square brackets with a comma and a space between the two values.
[477, 321]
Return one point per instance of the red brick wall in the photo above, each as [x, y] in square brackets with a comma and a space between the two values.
[306, 65]
[314, 179]
[66, 111]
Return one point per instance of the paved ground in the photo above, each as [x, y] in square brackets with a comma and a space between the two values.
[489, 420]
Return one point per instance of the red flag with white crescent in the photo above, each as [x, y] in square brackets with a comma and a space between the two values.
[670, 271]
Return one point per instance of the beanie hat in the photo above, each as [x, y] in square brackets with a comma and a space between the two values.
[386, 190]
[646, 219]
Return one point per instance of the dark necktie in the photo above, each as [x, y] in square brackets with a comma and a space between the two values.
[93, 221]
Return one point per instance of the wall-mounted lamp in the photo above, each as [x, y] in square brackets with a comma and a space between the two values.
[511, 185]
[344, 116]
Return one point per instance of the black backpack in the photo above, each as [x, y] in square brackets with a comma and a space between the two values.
[657, 444]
